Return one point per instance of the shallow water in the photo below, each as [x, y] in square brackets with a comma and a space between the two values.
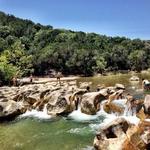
[28, 134]
[75, 132]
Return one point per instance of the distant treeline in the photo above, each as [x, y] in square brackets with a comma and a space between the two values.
[26, 47]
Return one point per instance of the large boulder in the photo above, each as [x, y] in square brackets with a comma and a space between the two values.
[113, 108]
[122, 135]
[41, 100]
[115, 95]
[59, 108]
[6, 93]
[10, 109]
[147, 105]
[138, 137]
[75, 98]
[90, 103]
[58, 103]
[112, 136]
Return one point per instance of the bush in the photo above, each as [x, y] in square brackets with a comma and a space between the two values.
[7, 71]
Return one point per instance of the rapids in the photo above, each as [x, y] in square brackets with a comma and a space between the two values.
[39, 131]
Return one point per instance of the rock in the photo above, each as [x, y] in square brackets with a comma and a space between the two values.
[122, 135]
[113, 108]
[41, 100]
[59, 108]
[120, 86]
[100, 87]
[35, 96]
[115, 95]
[147, 105]
[58, 103]
[10, 109]
[104, 92]
[84, 85]
[75, 98]
[141, 115]
[134, 78]
[74, 82]
[112, 136]
[90, 102]
[111, 89]
[138, 137]
[133, 140]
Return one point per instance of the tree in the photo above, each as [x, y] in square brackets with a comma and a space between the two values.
[119, 58]
[100, 64]
[7, 71]
[27, 46]
[136, 59]
[17, 57]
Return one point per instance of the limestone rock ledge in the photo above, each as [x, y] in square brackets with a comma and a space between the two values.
[122, 135]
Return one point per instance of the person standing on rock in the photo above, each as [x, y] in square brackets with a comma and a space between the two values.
[31, 78]
[14, 81]
[58, 76]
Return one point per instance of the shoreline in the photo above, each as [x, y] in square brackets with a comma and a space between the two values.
[46, 79]
[42, 80]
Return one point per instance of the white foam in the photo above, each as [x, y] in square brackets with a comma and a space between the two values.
[147, 120]
[110, 117]
[132, 119]
[121, 102]
[76, 130]
[81, 131]
[88, 148]
[79, 116]
[36, 114]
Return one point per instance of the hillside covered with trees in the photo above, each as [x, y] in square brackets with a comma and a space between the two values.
[26, 47]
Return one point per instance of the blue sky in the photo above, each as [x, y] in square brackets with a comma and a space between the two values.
[130, 18]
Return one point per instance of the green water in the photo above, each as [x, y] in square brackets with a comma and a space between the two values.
[34, 134]
[59, 133]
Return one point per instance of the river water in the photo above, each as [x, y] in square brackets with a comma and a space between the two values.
[37, 131]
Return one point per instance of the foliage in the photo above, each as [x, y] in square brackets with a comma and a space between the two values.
[7, 71]
[26, 47]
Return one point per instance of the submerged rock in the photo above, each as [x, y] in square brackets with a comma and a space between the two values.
[84, 84]
[119, 86]
[134, 78]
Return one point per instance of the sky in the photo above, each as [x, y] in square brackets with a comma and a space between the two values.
[129, 18]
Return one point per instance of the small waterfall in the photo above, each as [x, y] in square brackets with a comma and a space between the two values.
[130, 115]
[36, 114]
[77, 115]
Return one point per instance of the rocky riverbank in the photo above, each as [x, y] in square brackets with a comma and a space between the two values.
[62, 99]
